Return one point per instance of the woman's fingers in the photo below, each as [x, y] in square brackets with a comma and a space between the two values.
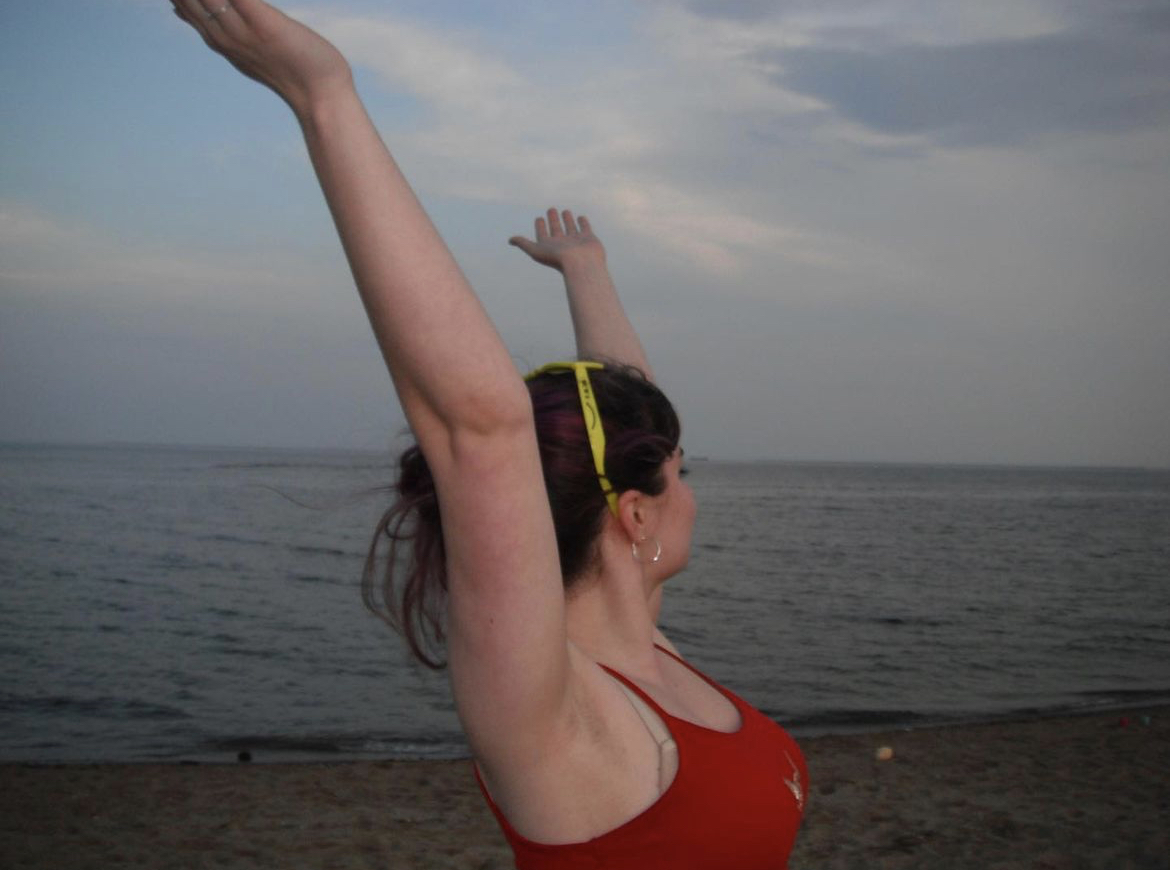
[181, 9]
[214, 19]
[562, 223]
[196, 15]
[222, 15]
[266, 45]
[554, 222]
[194, 12]
[245, 10]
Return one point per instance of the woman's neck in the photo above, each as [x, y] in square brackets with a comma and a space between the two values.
[611, 615]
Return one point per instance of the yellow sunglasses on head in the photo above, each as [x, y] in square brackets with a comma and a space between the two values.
[592, 415]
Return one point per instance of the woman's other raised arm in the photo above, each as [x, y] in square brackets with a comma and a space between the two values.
[460, 390]
[602, 329]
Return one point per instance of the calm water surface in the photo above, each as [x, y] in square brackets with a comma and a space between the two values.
[188, 603]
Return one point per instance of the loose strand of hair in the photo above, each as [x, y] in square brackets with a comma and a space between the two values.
[411, 607]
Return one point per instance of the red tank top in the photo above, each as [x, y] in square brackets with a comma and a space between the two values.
[736, 801]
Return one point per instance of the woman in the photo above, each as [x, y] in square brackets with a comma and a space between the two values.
[595, 744]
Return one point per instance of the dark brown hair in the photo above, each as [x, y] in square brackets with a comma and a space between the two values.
[406, 584]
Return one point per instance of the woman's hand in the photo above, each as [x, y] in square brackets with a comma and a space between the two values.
[600, 324]
[266, 45]
[562, 242]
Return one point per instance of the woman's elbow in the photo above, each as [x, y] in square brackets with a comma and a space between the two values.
[502, 409]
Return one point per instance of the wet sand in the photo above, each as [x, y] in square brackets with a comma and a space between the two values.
[1049, 794]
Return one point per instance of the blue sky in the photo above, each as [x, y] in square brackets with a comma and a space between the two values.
[910, 230]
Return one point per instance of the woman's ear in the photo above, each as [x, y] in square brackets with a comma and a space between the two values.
[631, 514]
[635, 515]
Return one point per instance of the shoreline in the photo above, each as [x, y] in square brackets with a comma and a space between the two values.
[287, 750]
[1077, 791]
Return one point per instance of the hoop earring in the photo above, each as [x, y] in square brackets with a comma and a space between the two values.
[637, 555]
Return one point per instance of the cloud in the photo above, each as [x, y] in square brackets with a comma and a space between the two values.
[53, 258]
[446, 71]
[1003, 92]
[879, 21]
[493, 131]
[23, 227]
[737, 10]
[996, 73]
[721, 240]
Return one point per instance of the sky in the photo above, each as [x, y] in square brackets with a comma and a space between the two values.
[891, 230]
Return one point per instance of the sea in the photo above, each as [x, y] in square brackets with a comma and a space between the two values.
[192, 604]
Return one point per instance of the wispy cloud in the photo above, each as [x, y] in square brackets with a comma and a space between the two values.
[999, 73]
[1003, 92]
[450, 73]
[720, 240]
[53, 258]
[492, 131]
[870, 21]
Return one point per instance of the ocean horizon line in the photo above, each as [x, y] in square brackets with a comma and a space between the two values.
[390, 452]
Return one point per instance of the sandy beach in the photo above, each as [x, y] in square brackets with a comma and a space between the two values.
[1090, 791]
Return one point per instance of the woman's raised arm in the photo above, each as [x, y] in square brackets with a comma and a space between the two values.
[429, 325]
[462, 395]
[600, 324]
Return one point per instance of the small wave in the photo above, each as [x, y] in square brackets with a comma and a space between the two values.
[317, 551]
[313, 579]
[919, 621]
[113, 607]
[103, 707]
[896, 621]
[269, 743]
[867, 721]
[232, 539]
[248, 466]
[249, 653]
[316, 466]
[823, 721]
[1091, 702]
[340, 746]
[1126, 696]
[1121, 642]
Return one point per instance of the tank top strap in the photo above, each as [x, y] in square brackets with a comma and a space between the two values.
[657, 722]
[722, 690]
[681, 661]
[649, 717]
[626, 681]
[630, 686]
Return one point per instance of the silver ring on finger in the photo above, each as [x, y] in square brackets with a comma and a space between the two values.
[215, 13]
